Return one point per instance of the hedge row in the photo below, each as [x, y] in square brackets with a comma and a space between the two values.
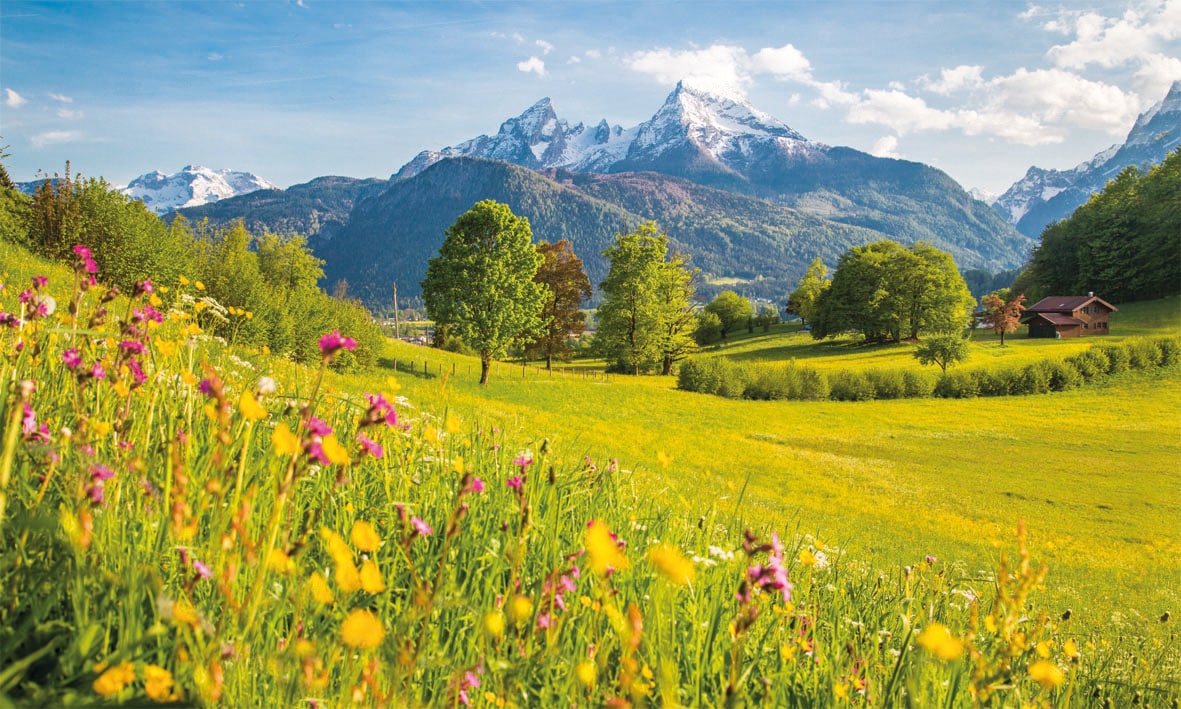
[736, 380]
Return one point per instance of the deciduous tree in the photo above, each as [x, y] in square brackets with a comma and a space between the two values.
[943, 349]
[481, 285]
[562, 273]
[732, 310]
[803, 299]
[1002, 312]
[646, 317]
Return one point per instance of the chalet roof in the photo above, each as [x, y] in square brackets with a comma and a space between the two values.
[1067, 303]
[1052, 318]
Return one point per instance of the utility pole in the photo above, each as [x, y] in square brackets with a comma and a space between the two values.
[397, 328]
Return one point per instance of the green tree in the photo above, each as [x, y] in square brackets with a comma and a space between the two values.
[803, 299]
[732, 310]
[887, 292]
[562, 274]
[708, 328]
[646, 317]
[1002, 312]
[943, 349]
[481, 285]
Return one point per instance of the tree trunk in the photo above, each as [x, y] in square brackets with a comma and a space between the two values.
[1002, 337]
[485, 365]
[549, 361]
[668, 366]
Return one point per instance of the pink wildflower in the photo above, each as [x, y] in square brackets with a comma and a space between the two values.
[371, 447]
[421, 527]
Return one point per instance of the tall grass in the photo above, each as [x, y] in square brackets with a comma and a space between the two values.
[207, 524]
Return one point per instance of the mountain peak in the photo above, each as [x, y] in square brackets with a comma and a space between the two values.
[192, 186]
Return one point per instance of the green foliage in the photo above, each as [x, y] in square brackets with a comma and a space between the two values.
[708, 329]
[1124, 243]
[888, 292]
[482, 282]
[567, 286]
[944, 349]
[646, 317]
[804, 300]
[732, 310]
[957, 385]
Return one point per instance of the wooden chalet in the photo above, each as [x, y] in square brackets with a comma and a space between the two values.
[1068, 316]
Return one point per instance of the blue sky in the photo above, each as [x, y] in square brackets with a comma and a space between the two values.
[292, 90]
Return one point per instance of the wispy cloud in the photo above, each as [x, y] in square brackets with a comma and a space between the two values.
[546, 47]
[13, 100]
[69, 114]
[532, 65]
[215, 56]
[886, 147]
[61, 98]
[54, 137]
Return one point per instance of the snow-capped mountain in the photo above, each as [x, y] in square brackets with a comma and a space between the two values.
[1044, 196]
[191, 187]
[537, 139]
[722, 131]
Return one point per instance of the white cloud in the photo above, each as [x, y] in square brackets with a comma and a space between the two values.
[1061, 97]
[13, 100]
[574, 59]
[61, 98]
[951, 80]
[1156, 75]
[215, 56]
[54, 137]
[532, 65]
[593, 53]
[718, 67]
[68, 114]
[546, 47]
[903, 113]
[785, 62]
[518, 37]
[885, 147]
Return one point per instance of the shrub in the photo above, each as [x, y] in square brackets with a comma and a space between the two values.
[850, 386]
[1142, 354]
[1062, 376]
[1117, 358]
[957, 385]
[786, 381]
[713, 375]
[995, 382]
[1090, 364]
[1034, 379]
[1170, 350]
[887, 383]
[918, 384]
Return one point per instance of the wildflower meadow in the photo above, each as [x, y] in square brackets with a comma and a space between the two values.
[186, 521]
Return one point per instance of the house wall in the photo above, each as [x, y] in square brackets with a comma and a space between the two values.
[1097, 320]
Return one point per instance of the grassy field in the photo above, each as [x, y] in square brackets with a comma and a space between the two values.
[182, 520]
[1093, 472]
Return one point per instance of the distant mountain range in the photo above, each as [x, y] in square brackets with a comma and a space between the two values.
[750, 199]
[1043, 196]
[191, 187]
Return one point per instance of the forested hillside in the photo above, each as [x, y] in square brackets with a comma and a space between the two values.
[1124, 243]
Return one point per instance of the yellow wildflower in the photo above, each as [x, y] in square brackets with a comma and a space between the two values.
[664, 459]
[371, 581]
[669, 561]
[100, 428]
[189, 378]
[392, 383]
[494, 624]
[586, 672]
[184, 281]
[283, 441]
[1046, 673]
[166, 347]
[841, 691]
[158, 683]
[452, 425]
[114, 679]
[364, 536]
[121, 388]
[250, 407]
[347, 576]
[520, 608]
[337, 549]
[602, 549]
[336, 453]
[362, 629]
[199, 285]
[458, 465]
[939, 641]
[184, 613]
[280, 562]
[266, 350]
[1043, 650]
[807, 558]
[320, 591]
[1070, 649]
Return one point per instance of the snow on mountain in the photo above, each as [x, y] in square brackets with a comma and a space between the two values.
[986, 196]
[191, 187]
[1044, 196]
[720, 125]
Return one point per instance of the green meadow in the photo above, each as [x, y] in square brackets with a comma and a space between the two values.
[208, 524]
[1093, 472]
